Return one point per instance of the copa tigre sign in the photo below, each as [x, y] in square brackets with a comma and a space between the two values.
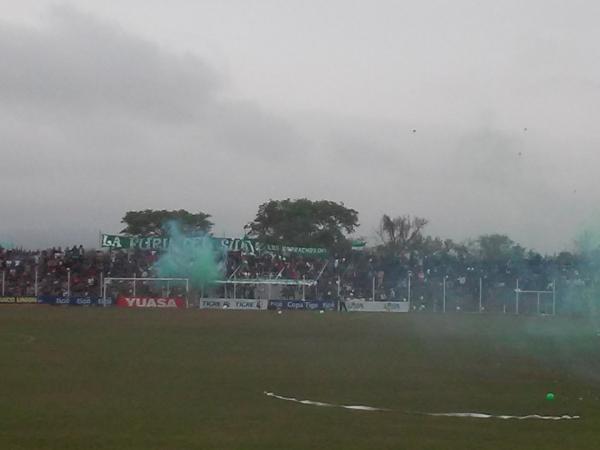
[150, 302]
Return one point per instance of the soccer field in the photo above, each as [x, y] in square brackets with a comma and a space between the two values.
[92, 378]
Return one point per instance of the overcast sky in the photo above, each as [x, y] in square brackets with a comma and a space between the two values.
[220, 105]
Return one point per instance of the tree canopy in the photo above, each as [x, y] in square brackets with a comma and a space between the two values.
[151, 221]
[402, 234]
[304, 222]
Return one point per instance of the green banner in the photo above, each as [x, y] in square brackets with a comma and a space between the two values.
[162, 243]
[134, 242]
[245, 246]
[288, 250]
[358, 244]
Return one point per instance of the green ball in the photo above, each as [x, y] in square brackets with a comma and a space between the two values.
[550, 396]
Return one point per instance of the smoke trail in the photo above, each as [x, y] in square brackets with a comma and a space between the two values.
[194, 257]
[588, 243]
[7, 245]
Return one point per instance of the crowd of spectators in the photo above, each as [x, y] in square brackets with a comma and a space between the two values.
[69, 271]
[75, 271]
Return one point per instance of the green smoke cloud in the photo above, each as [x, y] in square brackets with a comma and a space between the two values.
[7, 245]
[196, 259]
[588, 246]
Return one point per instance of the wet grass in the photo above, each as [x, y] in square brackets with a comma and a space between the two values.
[87, 378]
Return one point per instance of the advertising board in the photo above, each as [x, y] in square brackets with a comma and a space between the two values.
[237, 304]
[364, 306]
[151, 302]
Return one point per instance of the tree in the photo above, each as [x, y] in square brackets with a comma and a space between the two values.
[305, 223]
[402, 234]
[566, 259]
[494, 247]
[498, 252]
[152, 222]
[442, 252]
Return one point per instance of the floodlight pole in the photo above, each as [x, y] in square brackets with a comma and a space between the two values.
[409, 277]
[101, 283]
[517, 296]
[35, 286]
[444, 294]
[373, 290]
[554, 297]
[480, 294]
[269, 288]
[68, 282]
[187, 292]
[303, 288]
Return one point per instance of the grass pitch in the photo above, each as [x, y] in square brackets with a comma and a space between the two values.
[92, 378]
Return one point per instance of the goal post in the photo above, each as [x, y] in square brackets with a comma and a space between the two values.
[133, 283]
[265, 284]
[524, 296]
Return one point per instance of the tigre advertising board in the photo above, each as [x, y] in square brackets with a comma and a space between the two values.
[238, 304]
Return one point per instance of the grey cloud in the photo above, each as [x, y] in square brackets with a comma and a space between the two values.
[79, 69]
[78, 63]
[95, 121]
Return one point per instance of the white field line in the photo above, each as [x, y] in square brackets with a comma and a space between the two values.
[330, 405]
[492, 416]
[473, 415]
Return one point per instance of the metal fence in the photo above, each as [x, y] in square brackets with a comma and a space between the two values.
[472, 294]
[438, 294]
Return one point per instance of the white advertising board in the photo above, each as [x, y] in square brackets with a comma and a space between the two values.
[238, 304]
[364, 306]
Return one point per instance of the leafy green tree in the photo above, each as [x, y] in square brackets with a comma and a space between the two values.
[442, 252]
[498, 252]
[304, 222]
[494, 248]
[566, 259]
[151, 222]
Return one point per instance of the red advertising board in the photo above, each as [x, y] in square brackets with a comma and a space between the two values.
[151, 302]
